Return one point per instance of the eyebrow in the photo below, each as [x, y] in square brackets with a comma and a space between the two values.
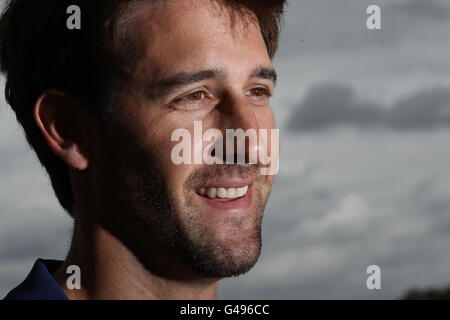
[183, 79]
[264, 73]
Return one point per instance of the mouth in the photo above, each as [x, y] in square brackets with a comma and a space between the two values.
[226, 196]
[222, 193]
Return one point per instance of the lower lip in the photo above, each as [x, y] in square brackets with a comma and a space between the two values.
[235, 205]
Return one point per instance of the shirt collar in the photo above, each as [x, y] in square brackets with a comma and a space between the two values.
[39, 284]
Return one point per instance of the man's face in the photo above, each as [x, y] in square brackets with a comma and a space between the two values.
[149, 194]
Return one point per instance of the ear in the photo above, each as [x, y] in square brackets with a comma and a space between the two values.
[60, 119]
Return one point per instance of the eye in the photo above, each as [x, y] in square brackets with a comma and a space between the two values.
[195, 96]
[259, 95]
[259, 92]
[194, 100]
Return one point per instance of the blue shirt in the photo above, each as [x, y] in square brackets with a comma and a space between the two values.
[39, 284]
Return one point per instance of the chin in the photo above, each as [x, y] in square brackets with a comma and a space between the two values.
[229, 259]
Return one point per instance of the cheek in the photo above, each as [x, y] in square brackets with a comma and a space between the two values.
[159, 140]
[148, 129]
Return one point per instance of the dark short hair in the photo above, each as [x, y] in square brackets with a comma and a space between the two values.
[38, 52]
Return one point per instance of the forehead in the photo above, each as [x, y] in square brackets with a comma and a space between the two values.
[180, 35]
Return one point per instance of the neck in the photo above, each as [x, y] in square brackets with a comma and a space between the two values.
[110, 271]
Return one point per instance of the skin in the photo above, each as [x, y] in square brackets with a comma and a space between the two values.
[131, 201]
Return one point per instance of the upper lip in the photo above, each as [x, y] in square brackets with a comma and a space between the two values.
[229, 183]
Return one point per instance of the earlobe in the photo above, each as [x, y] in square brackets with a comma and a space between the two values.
[59, 119]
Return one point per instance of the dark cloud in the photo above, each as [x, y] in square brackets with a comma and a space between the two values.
[421, 9]
[335, 104]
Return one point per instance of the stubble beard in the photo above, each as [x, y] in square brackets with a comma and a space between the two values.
[142, 200]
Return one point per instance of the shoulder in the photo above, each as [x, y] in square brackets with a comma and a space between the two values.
[39, 284]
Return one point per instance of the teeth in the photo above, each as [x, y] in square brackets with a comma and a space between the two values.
[240, 192]
[211, 192]
[223, 193]
[231, 193]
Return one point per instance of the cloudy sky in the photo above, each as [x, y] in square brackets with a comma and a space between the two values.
[364, 117]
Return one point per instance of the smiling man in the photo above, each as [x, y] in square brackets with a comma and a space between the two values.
[99, 106]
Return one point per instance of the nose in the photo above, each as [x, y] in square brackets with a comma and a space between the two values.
[239, 125]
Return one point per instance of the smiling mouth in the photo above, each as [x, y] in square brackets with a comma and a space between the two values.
[226, 197]
[221, 193]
